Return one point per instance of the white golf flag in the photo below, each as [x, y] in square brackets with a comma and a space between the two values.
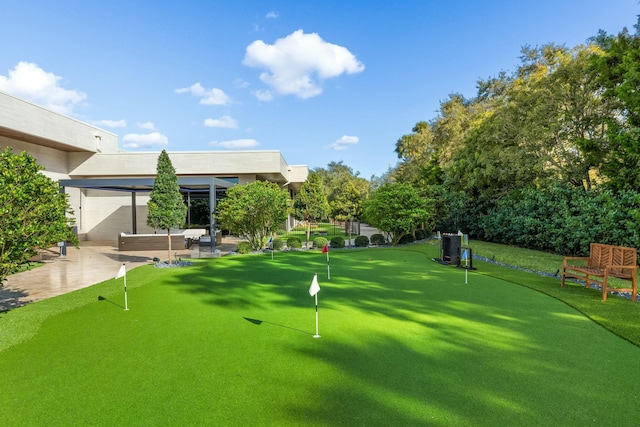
[315, 287]
[121, 272]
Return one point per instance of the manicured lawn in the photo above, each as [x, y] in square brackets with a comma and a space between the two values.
[230, 342]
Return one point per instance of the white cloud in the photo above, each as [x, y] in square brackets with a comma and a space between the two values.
[344, 142]
[146, 125]
[212, 96]
[222, 122]
[298, 63]
[272, 15]
[27, 80]
[263, 95]
[235, 144]
[136, 140]
[111, 123]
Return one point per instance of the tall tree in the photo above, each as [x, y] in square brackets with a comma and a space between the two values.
[348, 202]
[33, 211]
[617, 74]
[254, 211]
[335, 176]
[166, 205]
[310, 204]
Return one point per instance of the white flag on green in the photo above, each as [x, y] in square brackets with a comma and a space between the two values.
[121, 272]
[315, 287]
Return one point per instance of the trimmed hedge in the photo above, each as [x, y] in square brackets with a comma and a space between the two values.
[337, 242]
[319, 242]
[407, 238]
[278, 244]
[362, 241]
[378, 239]
[294, 242]
[244, 247]
[563, 220]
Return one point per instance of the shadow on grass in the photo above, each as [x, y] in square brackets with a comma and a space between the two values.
[260, 322]
[101, 298]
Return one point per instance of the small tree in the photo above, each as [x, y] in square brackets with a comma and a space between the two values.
[166, 207]
[33, 211]
[347, 204]
[310, 203]
[397, 209]
[254, 211]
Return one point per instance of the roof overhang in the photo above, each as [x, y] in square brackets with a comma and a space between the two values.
[145, 185]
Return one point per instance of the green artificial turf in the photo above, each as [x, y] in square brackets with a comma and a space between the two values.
[229, 341]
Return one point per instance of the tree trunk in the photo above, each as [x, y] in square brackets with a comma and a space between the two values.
[169, 238]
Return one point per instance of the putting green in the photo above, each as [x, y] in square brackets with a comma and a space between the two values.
[404, 342]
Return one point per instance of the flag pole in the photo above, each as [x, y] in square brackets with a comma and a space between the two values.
[328, 267]
[313, 291]
[317, 335]
[126, 305]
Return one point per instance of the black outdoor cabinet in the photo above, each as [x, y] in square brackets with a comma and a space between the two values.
[450, 249]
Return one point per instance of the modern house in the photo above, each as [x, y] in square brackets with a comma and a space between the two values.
[109, 188]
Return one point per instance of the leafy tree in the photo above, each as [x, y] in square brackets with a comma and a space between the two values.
[617, 74]
[166, 206]
[310, 203]
[419, 157]
[348, 202]
[334, 177]
[254, 211]
[396, 209]
[33, 211]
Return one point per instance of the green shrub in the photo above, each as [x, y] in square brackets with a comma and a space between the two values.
[337, 242]
[378, 239]
[244, 247]
[294, 243]
[407, 238]
[421, 234]
[278, 244]
[362, 241]
[319, 242]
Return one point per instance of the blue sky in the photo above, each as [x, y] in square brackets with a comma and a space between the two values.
[320, 81]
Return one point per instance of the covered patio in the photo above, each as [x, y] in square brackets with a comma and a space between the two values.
[196, 186]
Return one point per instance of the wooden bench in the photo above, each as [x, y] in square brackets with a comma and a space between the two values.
[603, 262]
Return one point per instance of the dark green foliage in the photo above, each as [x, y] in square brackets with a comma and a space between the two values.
[310, 204]
[421, 234]
[244, 247]
[277, 244]
[319, 242]
[337, 242]
[254, 211]
[378, 239]
[397, 209]
[33, 211]
[294, 242]
[563, 220]
[407, 238]
[362, 241]
[166, 206]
